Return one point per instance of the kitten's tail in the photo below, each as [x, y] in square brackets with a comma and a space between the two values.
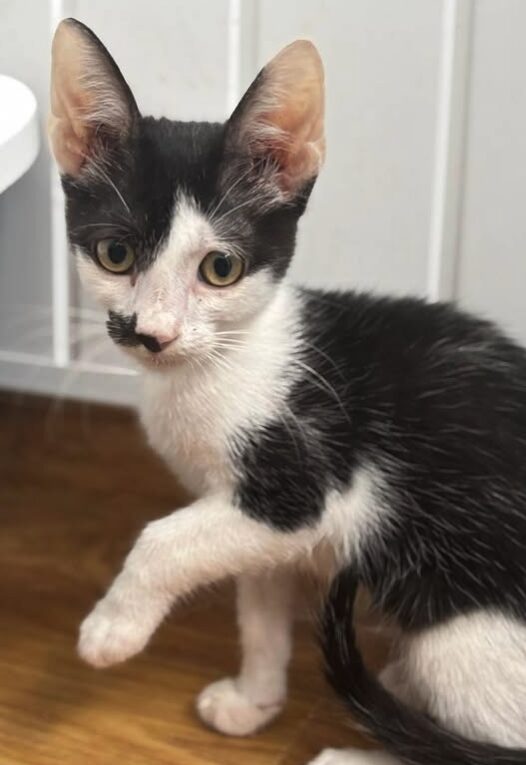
[404, 732]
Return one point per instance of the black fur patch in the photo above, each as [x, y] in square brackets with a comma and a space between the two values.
[121, 329]
[283, 483]
[435, 401]
[133, 200]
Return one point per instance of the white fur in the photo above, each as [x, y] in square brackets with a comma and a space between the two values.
[192, 413]
[203, 543]
[353, 515]
[225, 708]
[198, 545]
[470, 673]
[245, 704]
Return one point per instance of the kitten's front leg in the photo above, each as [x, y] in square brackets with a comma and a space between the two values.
[240, 706]
[123, 621]
[207, 541]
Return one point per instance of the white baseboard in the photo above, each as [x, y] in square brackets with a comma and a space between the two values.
[37, 374]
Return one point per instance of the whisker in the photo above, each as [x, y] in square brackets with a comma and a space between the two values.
[233, 332]
[229, 190]
[232, 343]
[325, 385]
[100, 224]
[108, 180]
[227, 213]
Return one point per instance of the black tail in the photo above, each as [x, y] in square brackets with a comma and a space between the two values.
[404, 732]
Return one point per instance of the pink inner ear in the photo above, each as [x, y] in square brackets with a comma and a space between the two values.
[287, 118]
[297, 150]
[69, 149]
[85, 94]
[70, 136]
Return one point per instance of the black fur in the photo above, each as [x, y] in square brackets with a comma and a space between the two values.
[165, 158]
[436, 400]
[160, 159]
[121, 329]
[408, 734]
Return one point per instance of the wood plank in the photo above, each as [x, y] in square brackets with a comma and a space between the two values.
[76, 486]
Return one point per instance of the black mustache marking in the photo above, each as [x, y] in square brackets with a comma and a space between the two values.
[121, 329]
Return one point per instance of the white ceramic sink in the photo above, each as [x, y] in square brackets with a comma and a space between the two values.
[19, 139]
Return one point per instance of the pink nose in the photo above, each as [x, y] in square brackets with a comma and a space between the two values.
[155, 343]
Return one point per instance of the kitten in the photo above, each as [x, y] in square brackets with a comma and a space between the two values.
[388, 431]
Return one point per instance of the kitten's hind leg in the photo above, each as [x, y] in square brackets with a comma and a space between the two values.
[354, 757]
[239, 706]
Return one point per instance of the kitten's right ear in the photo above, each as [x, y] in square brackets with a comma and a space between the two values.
[279, 123]
[92, 107]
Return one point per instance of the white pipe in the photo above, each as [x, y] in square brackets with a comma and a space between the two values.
[449, 150]
[59, 246]
[234, 55]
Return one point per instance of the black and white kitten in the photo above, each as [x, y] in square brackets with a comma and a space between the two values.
[386, 434]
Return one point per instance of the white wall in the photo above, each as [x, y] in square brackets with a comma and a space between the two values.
[492, 262]
[24, 208]
[424, 179]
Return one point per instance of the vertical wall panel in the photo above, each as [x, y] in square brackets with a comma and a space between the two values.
[492, 269]
[450, 149]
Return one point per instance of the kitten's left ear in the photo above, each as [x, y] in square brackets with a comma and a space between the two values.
[279, 122]
[92, 107]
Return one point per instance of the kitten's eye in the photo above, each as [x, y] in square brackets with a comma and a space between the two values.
[220, 269]
[117, 257]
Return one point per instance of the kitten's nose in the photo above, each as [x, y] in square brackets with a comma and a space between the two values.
[156, 343]
[157, 331]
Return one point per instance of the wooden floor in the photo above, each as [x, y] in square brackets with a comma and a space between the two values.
[76, 486]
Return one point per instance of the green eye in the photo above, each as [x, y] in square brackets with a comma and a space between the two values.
[220, 269]
[117, 257]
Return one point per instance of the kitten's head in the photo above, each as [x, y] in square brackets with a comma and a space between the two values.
[181, 230]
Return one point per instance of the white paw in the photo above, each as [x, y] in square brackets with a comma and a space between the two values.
[341, 757]
[224, 708]
[108, 636]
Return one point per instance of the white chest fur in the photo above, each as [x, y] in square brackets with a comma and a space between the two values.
[195, 414]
